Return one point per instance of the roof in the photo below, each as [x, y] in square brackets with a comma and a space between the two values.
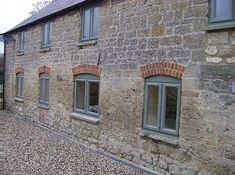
[54, 8]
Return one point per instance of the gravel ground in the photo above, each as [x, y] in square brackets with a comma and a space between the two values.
[26, 149]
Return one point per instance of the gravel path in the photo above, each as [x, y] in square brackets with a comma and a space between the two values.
[26, 149]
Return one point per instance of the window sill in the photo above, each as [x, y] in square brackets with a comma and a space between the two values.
[19, 99]
[85, 117]
[45, 49]
[20, 54]
[160, 137]
[43, 106]
[85, 43]
[219, 26]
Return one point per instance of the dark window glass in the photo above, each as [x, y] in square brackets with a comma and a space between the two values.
[93, 97]
[171, 107]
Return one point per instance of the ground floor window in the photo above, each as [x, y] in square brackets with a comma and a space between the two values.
[86, 94]
[44, 89]
[19, 85]
[162, 104]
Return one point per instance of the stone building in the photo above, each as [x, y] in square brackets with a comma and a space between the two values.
[149, 81]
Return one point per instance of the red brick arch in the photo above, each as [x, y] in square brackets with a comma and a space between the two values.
[87, 69]
[166, 68]
[19, 70]
[44, 69]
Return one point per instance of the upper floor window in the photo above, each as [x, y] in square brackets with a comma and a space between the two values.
[44, 89]
[86, 91]
[19, 85]
[21, 41]
[162, 104]
[221, 11]
[47, 34]
[90, 20]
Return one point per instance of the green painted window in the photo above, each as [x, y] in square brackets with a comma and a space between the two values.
[86, 94]
[162, 104]
[221, 11]
[46, 34]
[44, 89]
[90, 23]
[21, 41]
[19, 85]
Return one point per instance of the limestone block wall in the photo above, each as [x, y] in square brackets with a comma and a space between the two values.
[134, 35]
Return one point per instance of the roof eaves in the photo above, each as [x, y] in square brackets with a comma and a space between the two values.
[48, 17]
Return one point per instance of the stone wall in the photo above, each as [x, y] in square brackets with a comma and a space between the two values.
[132, 34]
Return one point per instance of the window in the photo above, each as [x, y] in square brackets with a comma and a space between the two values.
[44, 89]
[19, 85]
[47, 34]
[90, 18]
[221, 11]
[162, 104]
[21, 41]
[86, 92]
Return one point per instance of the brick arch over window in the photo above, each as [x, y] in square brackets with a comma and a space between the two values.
[19, 70]
[166, 68]
[87, 69]
[44, 69]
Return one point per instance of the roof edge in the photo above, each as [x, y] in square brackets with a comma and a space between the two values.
[63, 11]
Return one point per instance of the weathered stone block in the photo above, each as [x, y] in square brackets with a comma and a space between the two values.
[213, 59]
[218, 38]
[211, 50]
[157, 30]
[171, 41]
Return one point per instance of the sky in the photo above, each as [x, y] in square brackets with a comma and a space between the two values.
[12, 12]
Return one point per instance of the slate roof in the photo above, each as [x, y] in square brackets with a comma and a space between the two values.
[54, 8]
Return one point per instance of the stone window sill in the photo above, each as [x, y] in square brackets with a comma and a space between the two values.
[85, 117]
[45, 49]
[19, 99]
[43, 106]
[85, 43]
[219, 26]
[20, 53]
[160, 137]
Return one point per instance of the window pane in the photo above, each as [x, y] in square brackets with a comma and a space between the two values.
[171, 107]
[80, 95]
[17, 86]
[95, 22]
[93, 97]
[222, 8]
[46, 99]
[153, 94]
[45, 34]
[86, 23]
[42, 85]
[50, 33]
[21, 86]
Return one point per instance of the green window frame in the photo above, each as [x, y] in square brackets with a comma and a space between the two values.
[19, 85]
[21, 41]
[44, 81]
[86, 94]
[162, 96]
[46, 34]
[221, 11]
[90, 23]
